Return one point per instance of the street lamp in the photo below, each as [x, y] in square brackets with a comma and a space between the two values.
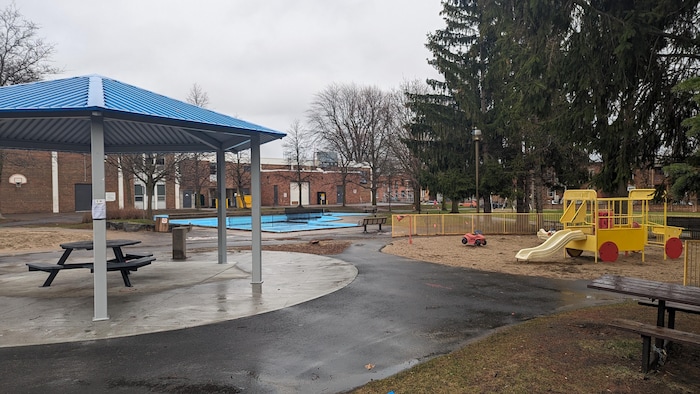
[476, 136]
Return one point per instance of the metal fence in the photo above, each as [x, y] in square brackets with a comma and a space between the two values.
[691, 264]
[487, 223]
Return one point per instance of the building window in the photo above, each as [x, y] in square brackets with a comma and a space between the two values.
[160, 192]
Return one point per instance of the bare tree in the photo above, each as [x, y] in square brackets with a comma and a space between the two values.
[197, 96]
[239, 171]
[194, 168]
[357, 122]
[24, 57]
[194, 173]
[298, 147]
[149, 169]
[327, 110]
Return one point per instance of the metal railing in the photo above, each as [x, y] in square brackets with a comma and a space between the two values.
[691, 263]
[487, 223]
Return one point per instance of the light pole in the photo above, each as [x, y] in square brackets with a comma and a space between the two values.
[476, 136]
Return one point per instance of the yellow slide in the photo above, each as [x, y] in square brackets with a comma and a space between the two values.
[554, 244]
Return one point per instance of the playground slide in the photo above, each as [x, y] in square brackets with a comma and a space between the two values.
[554, 244]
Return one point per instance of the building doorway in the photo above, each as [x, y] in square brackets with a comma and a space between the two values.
[83, 197]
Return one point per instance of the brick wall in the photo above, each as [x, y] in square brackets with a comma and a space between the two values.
[319, 182]
[75, 168]
[33, 196]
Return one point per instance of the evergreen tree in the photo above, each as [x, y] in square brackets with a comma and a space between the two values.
[623, 58]
[685, 175]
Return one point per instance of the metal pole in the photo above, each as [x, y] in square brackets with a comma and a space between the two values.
[476, 144]
[476, 136]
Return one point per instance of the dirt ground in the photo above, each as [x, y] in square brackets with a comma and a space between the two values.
[19, 240]
[499, 255]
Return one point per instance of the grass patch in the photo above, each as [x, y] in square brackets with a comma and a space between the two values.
[571, 352]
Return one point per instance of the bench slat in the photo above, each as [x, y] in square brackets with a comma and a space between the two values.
[660, 333]
[55, 267]
[132, 265]
[656, 332]
[673, 305]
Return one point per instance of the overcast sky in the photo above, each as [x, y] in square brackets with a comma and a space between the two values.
[261, 61]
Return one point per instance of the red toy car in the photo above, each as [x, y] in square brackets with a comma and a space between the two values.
[476, 239]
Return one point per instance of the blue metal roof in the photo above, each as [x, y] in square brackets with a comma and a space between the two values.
[56, 115]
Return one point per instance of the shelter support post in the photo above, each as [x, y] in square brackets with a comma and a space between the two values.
[99, 225]
[256, 212]
[221, 206]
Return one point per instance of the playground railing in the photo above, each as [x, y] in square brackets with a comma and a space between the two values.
[506, 223]
[691, 263]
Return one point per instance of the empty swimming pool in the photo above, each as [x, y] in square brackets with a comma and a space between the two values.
[278, 223]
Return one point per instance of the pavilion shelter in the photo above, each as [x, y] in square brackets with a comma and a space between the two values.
[98, 115]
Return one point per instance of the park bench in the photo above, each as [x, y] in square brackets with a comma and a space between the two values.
[370, 209]
[647, 331]
[373, 220]
[302, 214]
[690, 225]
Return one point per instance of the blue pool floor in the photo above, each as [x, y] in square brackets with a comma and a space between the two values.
[276, 223]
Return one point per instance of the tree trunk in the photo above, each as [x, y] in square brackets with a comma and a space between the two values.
[300, 194]
[150, 188]
[416, 197]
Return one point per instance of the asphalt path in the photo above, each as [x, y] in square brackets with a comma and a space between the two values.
[396, 314]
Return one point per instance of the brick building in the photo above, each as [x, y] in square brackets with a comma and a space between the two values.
[39, 181]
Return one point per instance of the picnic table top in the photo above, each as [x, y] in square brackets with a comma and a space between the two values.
[88, 245]
[654, 290]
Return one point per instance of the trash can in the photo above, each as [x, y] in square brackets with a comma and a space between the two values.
[161, 224]
[179, 243]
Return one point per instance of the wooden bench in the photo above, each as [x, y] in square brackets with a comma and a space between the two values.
[690, 225]
[370, 209]
[373, 220]
[133, 263]
[647, 331]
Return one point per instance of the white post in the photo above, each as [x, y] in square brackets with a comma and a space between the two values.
[256, 220]
[99, 225]
[54, 182]
[221, 207]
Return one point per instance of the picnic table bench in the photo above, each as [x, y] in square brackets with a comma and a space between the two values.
[671, 308]
[124, 263]
[373, 220]
[130, 265]
[667, 298]
[647, 331]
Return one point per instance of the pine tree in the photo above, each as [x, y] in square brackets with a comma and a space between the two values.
[624, 57]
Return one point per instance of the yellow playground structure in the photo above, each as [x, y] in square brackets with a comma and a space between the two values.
[606, 227]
